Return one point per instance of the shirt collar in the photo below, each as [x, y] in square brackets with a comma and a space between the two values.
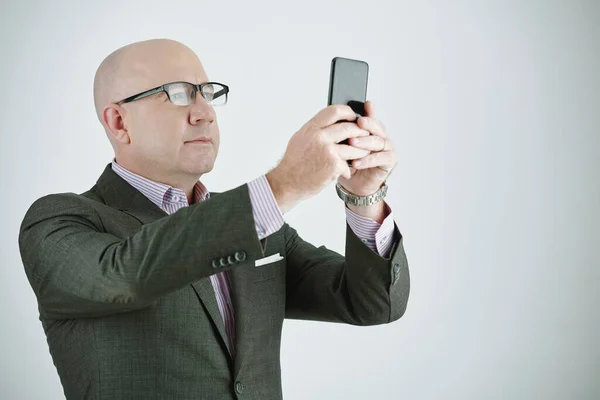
[160, 193]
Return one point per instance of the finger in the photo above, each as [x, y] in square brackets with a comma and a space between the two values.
[369, 109]
[371, 143]
[384, 160]
[346, 170]
[332, 114]
[372, 125]
[350, 153]
[345, 130]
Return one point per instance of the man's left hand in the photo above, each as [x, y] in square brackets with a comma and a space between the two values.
[369, 172]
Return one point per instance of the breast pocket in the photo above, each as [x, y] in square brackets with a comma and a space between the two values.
[271, 270]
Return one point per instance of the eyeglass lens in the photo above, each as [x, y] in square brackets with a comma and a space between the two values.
[183, 94]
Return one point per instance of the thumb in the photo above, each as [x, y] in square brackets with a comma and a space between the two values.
[369, 109]
[346, 172]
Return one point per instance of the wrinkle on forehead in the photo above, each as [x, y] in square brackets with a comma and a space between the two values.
[140, 66]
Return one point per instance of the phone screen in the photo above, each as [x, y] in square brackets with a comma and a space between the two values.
[348, 83]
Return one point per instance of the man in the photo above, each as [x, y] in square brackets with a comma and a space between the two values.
[149, 286]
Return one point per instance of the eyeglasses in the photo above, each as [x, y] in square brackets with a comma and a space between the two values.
[184, 93]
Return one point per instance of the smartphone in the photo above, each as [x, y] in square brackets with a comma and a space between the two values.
[348, 84]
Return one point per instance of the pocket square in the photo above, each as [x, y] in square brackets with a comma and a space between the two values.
[268, 260]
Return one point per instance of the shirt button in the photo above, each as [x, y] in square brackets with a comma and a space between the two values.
[175, 198]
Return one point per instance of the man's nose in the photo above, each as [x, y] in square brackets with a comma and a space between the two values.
[201, 110]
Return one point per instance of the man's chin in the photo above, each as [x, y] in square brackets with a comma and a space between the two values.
[201, 167]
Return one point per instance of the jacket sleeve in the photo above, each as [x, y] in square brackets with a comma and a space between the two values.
[361, 288]
[76, 270]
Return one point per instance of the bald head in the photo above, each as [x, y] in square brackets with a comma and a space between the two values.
[140, 66]
[152, 136]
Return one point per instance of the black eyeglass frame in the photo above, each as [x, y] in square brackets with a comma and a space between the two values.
[163, 88]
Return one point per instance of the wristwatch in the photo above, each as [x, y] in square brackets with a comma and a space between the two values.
[350, 198]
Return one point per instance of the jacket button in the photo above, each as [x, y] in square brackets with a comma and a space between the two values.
[395, 273]
[240, 255]
[239, 388]
[231, 260]
[223, 262]
[215, 264]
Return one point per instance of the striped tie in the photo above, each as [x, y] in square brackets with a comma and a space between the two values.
[223, 293]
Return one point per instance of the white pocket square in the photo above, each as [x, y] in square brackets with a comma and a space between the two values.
[268, 260]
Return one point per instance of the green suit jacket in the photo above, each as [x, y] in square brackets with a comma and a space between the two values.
[129, 312]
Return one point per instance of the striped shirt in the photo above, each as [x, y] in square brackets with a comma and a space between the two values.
[267, 218]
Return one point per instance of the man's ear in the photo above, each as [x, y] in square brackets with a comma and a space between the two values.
[114, 121]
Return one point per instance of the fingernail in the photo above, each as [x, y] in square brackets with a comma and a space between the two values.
[357, 164]
[356, 141]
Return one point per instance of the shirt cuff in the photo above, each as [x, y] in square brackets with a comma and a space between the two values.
[378, 237]
[268, 218]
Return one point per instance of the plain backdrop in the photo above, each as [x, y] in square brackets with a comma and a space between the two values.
[493, 107]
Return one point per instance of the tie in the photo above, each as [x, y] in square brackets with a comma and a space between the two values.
[222, 286]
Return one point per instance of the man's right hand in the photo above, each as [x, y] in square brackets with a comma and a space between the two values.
[314, 158]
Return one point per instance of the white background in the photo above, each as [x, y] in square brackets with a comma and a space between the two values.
[494, 110]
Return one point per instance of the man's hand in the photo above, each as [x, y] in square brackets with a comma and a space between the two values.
[369, 172]
[314, 158]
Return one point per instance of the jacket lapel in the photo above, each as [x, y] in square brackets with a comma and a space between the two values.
[119, 194]
[206, 293]
[241, 292]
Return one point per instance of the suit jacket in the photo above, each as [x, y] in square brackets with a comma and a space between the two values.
[129, 311]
